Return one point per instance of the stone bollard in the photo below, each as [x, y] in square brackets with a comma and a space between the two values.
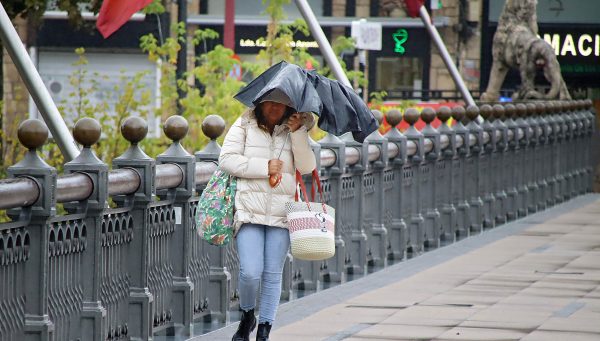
[489, 174]
[503, 174]
[35, 236]
[429, 181]
[95, 306]
[474, 169]
[544, 167]
[522, 155]
[353, 185]
[534, 160]
[513, 161]
[183, 300]
[141, 297]
[336, 266]
[447, 179]
[562, 150]
[374, 196]
[412, 176]
[459, 170]
[394, 205]
[223, 269]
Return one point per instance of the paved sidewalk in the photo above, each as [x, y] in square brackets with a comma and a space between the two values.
[534, 279]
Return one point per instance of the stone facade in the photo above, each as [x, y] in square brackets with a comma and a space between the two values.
[15, 106]
[467, 53]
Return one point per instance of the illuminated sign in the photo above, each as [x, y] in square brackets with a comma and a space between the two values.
[400, 37]
[263, 43]
[584, 45]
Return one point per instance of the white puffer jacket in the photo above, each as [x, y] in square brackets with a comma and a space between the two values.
[245, 154]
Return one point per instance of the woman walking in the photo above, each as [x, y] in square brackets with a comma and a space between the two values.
[269, 141]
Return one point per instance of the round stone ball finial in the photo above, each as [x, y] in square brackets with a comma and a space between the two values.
[498, 111]
[588, 104]
[411, 116]
[176, 127]
[521, 109]
[378, 116]
[549, 108]
[393, 117]
[486, 111]
[531, 109]
[510, 110]
[540, 108]
[87, 132]
[428, 115]
[32, 133]
[472, 112]
[444, 113]
[134, 129]
[213, 126]
[458, 113]
[558, 107]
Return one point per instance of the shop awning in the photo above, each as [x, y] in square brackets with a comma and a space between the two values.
[246, 20]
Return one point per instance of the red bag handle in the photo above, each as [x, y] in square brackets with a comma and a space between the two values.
[315, 178]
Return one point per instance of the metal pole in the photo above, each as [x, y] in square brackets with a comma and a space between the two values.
[36, 87]
[229, 27]
[324, 45]
[445, 56]
[181, 66]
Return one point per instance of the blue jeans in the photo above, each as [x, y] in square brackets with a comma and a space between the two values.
[262, 251]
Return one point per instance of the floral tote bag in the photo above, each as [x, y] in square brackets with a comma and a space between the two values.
[214, 217]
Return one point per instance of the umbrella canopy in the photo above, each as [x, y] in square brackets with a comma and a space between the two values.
[339, 108]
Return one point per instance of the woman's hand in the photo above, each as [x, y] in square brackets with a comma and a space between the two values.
[294, 122]
[275, 166]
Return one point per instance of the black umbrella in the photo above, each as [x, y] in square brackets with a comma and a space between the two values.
[339, 108]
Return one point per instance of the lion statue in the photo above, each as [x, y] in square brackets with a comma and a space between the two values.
[516, 45]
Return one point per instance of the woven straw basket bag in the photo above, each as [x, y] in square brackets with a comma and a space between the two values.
[311, 225]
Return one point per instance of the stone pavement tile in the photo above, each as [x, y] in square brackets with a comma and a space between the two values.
[565, 292]
[482, 334]
[539, 302]
[551, 282]
[424, 315]
[399, 331]
[457, 298]
[507, 317]
[545, 335]
[584, 218]
[586, 324]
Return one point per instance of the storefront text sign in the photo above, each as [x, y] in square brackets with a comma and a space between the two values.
[584, 45]
[263, 43]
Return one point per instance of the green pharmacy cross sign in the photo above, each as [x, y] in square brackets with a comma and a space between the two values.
[400, 37]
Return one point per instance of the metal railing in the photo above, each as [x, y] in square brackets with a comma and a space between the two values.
[100, 273]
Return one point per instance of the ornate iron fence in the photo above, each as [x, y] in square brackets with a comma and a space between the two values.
[125, 273]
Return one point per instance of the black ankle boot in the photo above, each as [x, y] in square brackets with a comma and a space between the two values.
[246, 326]
[262, 333]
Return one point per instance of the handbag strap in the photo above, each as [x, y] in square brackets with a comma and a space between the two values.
[314, 179]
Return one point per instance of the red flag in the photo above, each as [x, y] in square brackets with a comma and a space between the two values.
[115, 13]
[413, 6]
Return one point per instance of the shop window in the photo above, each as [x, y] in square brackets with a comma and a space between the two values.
[399, 73]
[105, 73]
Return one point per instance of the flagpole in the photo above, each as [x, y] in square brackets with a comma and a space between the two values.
[36, 88]
[437, 39]
[324, 46]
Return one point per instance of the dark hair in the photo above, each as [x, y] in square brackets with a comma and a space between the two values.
[260, 118]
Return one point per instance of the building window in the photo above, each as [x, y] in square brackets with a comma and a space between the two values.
[107, 73]
[399, 73]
